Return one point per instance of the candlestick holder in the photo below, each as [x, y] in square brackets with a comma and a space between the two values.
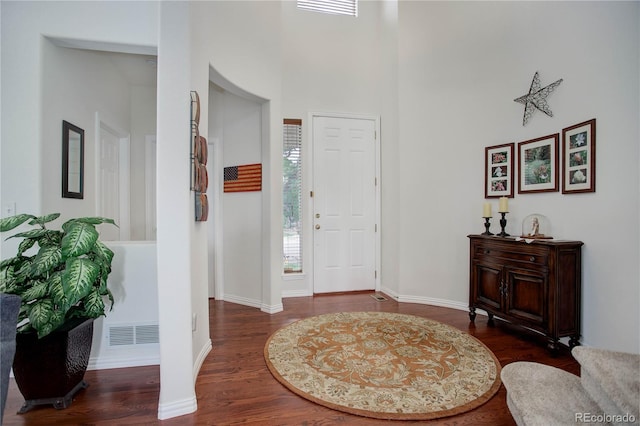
[503, 223]
[486, 226]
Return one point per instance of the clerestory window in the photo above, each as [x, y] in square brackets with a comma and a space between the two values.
[337, 7]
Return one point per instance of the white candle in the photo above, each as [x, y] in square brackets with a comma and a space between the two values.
[503, 206]
[486, 210]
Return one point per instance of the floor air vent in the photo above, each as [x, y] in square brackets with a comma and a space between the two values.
[379, 297]
[123, 335]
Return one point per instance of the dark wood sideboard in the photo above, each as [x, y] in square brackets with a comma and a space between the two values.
[532, 285]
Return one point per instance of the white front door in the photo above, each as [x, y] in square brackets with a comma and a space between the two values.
[344, 204]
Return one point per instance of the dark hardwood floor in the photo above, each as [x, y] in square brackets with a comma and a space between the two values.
[234, 385]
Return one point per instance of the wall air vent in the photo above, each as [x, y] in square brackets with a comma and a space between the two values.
[125, 335]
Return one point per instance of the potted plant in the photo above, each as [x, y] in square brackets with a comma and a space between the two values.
[61, 276]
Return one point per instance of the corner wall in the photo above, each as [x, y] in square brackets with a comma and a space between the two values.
[345, 65]
[461, 65]
[69, 93]
[176, 229]
[443, 76]
[129, 26]
[240, 42]
[23, 26]
[239, 124]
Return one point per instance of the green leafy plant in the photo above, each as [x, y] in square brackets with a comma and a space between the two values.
[66, 278]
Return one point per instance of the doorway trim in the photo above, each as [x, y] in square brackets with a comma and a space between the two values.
[124, 173]
[150, 187]
[308, 189]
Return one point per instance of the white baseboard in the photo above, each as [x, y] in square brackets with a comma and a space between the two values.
[296, 293]
[433, 301]
[389, 292]
[243, 301]
[272, 309]
[200, 359]
[445, 303]
[177, 408]
[119, 361]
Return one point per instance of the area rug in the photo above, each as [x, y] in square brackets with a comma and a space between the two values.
[383, 365]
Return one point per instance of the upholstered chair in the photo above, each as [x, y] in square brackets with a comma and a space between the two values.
[9, 308]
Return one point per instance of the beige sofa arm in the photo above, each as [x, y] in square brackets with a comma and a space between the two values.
[612, 380]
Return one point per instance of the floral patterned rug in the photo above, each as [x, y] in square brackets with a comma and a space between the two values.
[383, 365]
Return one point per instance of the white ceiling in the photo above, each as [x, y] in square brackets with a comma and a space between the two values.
[138, 64]
[137, 69]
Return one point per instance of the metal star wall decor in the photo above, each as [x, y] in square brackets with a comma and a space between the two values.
[537, 98]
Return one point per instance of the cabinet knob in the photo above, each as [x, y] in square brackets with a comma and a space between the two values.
[487, 251]
[532, 259]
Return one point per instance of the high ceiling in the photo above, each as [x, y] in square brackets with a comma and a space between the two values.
[138, 64]
[137, 69]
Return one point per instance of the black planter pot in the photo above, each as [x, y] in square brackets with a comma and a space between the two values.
[51, 370]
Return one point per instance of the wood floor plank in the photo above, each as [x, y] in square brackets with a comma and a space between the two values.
[234, 385]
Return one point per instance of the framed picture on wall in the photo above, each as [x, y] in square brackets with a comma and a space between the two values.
[498, 171]
[579, 158]
[72, 161]
[538, 164]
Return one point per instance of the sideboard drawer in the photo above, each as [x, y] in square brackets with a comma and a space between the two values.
[532, 255]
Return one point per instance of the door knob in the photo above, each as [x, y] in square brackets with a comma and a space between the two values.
[317, 226]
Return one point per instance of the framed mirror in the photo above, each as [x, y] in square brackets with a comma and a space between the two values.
[72, 161]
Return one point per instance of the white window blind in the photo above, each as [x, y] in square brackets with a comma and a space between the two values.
[292, 195]
[339, 7]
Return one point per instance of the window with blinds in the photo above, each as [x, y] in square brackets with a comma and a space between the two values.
[292, 195]
[337, 7]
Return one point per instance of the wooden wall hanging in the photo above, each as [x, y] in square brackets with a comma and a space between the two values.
[199, 154]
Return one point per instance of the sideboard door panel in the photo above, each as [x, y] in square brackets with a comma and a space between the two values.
[525, 296]
[489, 286]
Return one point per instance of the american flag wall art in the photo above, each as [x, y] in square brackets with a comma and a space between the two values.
[243, 178]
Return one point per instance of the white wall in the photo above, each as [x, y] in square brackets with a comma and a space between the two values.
[133, 283]
[132, 27]
[443, 76]
[200, 258]
[175, 215]
[69, 93]
[239, 124]
[461, 65]
[250, 65]
[390, 137]
[143, 123]
[336, 64]
[444, 80]
[214, 192]
[21, 75]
